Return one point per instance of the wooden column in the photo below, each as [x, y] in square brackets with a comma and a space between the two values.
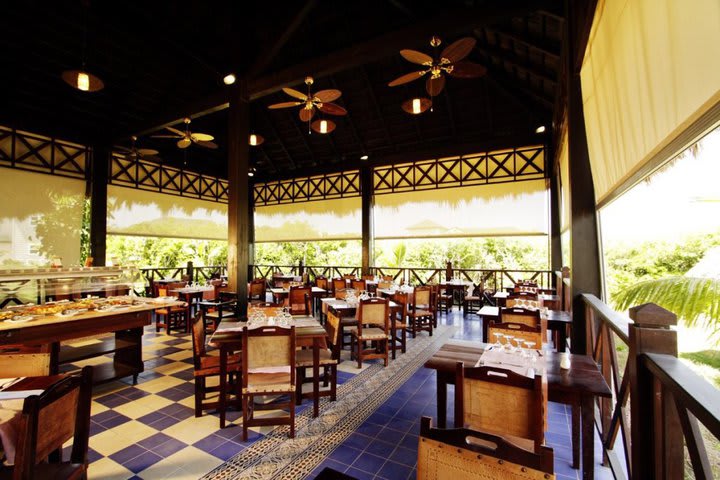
[251, 231]
[98, 202]
[366, 189]
[555, 214]
[584, 244]
[239, 223]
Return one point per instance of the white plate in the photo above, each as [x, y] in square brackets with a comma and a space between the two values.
[20, 319]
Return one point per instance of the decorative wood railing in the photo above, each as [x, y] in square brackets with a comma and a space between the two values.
[189, 272]
[657, 400]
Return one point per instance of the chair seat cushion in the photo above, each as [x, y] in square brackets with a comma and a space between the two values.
[225, 314]
[471, 298]
[421, 313]
[304, 358]
[210, 365]
[370, 333]
[166, 311]
[268, 383]
[399, 324]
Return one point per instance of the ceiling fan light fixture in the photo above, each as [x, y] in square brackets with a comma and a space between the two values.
[323, 126]
[256, 139]
[251, 172]
[229, 79]
[364, 157]
[416, 106]
[540, 129]
[83, 80]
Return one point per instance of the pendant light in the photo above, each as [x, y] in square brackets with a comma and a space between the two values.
[82, 79]
[323, 126]
[255, 140]
[416, 106]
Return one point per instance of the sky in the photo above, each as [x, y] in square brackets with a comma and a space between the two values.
[680, 200]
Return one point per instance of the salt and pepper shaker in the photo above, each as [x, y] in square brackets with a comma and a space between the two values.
[565, 360]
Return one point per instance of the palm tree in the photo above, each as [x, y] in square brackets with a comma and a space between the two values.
[695, 300]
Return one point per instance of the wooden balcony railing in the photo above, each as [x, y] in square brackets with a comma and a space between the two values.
[657, 400]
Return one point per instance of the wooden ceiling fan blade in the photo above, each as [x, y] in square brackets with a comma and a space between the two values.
[147, 151]
[416, 57]
[184, 142]
[435, 85]
[408, 77]
[468, 70]
[456, 51]
[332, 109]
[294, 93]
[207, 144]
[284, 105]
[326, 96]
[175, 131]
[201, 137]
[306, 114]
[167, 136]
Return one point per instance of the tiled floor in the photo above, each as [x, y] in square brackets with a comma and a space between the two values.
[149, 430]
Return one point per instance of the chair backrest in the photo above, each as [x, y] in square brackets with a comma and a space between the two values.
[50, 419]
[501, 402]
[422, 298]
[524, 316]
[523, 296]
[368, 277]
[268, 347]
[387, 278]
[466, 454]
[338, 284]
[257, 289]
[198, 339]
[322, 282]
[373, 312]
[384, 284]
[349, 276]
[522, 303]
[358, 284]
[401, 298]
[299, 300]
[334, 330]
[518, 330]
[526, 288]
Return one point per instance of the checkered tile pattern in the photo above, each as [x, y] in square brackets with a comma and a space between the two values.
[149, 430]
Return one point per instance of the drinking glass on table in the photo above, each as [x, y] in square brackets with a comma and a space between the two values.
[498, 337]
[508, 343]
[530, 346]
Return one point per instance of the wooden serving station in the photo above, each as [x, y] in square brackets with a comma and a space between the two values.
[48, 332]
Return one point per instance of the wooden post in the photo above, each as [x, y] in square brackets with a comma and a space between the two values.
[251, 231]
[238, 196]
[366, 189]
[656, 433]
[190, 271]
[448, 271]
[584, 245]
[98, 203]
[555, 241]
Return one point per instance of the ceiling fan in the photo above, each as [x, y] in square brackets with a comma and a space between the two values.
[312, 102]
[450, 61]
[187, 138]
[134, 153]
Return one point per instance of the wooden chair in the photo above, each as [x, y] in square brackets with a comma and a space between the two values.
[256, 290]
[170, 317]
[215, 312]
[367, 277]
[373, 318]
[349, 276]
[468, 454]
[398, 324]
[421, 313]
[472, 303]
[299, 300]
[25, 360]
[208, 366]
[358, 285]
[268, 368]
[524, 316]
[502, 402]
[517, 330]
[384, 284]
[387, 278]
[322, 282]
[47, 422]
[328, 362]
[338, 284]
[444, 299]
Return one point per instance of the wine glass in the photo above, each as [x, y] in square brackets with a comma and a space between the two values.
[530, 346]
[498, 343]
[519, 342]
[508, 343]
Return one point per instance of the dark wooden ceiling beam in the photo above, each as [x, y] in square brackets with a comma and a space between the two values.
[350, 121]
[376, 104]
[267, 56]
[269, 160]
[534, 44]
[449, 22]
[277, 137]
[521, 92]
[513, 59]
[301, 134]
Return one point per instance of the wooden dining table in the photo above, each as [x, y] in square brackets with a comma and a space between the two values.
[228, 338]
[558, 321]
[578, 386]
[190, 294]
[11, 408]
[550, 301]
[280, 294]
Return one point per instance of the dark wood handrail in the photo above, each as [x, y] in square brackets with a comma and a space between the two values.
[693, 391]
[616, 322]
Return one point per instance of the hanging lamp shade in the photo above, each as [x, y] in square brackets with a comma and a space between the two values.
[416, 106]
[256, 139]
[323, 126]
[83, 80]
